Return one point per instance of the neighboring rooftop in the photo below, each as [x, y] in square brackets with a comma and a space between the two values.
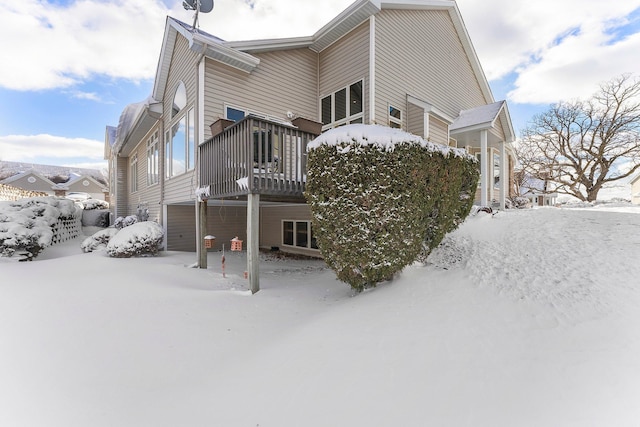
[56, 174]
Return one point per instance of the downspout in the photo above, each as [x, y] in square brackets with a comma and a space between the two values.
[372, 69]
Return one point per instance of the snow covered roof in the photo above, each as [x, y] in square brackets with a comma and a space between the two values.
[21, 175]
[479, 117]
[11, 170]
[484, 117]
[135, 121]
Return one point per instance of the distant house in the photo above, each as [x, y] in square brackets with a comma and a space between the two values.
[54, 180]
[219, 147]
[540, 192]
[31, 180]
[635, 189]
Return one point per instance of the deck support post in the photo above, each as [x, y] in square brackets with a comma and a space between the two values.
[201, 232]
[253, 233]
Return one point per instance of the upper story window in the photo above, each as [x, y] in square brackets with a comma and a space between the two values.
[153, 159]
[179, 141]
[395, 117]
[344, 106]
[234, 114]
[179, 100]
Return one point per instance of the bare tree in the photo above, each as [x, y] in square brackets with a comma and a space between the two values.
[582, 145]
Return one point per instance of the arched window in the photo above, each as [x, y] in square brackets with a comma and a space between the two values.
[180, 144]
[179, 99]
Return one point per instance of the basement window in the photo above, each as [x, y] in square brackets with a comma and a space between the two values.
[298, 234]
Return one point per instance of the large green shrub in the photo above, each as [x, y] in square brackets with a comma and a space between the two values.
[380, 197]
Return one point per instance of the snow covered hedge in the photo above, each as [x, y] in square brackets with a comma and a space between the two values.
[141, 238]
[27, 226]
[381, 197]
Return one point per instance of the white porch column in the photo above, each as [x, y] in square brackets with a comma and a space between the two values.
[504, 176]
[484, 158]
[253, 233]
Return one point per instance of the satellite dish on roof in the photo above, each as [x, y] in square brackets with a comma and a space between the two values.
[206, 6]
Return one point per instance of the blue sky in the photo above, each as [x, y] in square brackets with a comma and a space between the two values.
[69, 67]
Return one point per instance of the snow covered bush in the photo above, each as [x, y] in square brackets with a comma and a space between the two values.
[380, 196]
[518, 203]
[98, 240]
[122, 222]
[91, 204]
[141, 238]
[27, 225]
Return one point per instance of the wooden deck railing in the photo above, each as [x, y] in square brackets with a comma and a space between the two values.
[255, 155]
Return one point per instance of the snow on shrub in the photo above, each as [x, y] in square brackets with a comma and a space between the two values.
[142, 238]
[122, 222]
[98, 240]
[91, 204]
[26, 226]
[380, 197]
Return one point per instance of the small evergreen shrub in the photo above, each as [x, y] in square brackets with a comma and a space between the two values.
[98, 240]
[380, 197]
[27, 225]
[122, 222]
[139, 239]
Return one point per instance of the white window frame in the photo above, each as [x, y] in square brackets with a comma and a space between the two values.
[187, 119]
[226, 111]
[133, 173]
[153, 159]
[394, 120]
[295, 234]
[349, 118]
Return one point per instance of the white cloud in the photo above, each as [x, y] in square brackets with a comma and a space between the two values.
[59, 46]
[26, 148]
[54, 46]
[559, 49]
[235, 20]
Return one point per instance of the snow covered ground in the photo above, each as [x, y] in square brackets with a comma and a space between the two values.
[526, 318]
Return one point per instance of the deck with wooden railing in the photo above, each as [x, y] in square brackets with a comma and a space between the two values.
[257, 156]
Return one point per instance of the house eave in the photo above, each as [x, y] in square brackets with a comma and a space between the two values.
[267, 45]
[224, 53]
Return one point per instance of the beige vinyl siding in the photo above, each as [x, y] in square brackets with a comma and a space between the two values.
[227, 222]
[498, 130]
[438, 131]
[39, 185]
[180, 188]
[345, 62]
[418, 52]
[271, 218]
[122, 193]
[147, 195]
[415, 120]
[284, 81]
[223, 222]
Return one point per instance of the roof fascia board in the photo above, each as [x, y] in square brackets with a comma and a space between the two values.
[476, 127]
[227, 55]
[508, 126]
[347, 20]
[416, 4]
[171, 29]
[271, 44]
